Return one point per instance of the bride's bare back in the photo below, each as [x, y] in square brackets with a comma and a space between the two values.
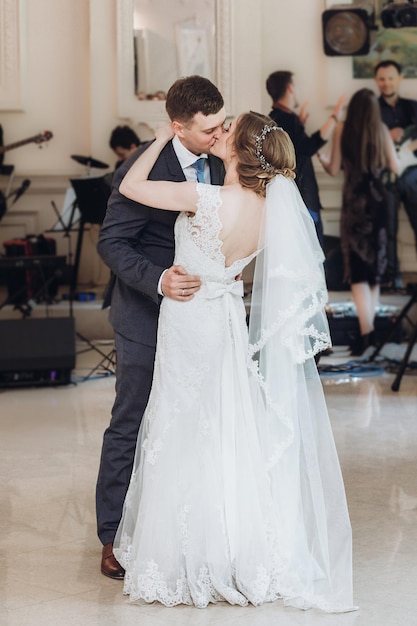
[240, 214]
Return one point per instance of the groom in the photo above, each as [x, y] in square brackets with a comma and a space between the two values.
[137, 243]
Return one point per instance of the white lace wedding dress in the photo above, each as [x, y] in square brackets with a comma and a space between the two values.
[202, 520]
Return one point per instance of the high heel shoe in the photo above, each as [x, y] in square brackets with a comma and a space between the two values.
[358, 347]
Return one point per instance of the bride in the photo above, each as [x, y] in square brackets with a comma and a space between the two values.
[236, 493]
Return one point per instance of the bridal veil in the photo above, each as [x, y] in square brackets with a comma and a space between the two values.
[288, 327]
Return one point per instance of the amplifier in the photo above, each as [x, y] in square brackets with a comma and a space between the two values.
[345, 330]
[37, 352]
[38, 280]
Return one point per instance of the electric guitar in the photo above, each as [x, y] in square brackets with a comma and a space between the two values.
[45, 136]
[405, 148]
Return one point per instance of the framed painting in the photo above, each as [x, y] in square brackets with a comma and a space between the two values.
[398, 44]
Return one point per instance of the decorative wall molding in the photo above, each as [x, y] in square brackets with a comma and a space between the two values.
[11, 55]
[224, 53]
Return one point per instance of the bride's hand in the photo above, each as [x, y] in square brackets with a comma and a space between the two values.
[164, 133]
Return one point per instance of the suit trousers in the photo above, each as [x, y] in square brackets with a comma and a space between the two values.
[407, 190]
[134, 366]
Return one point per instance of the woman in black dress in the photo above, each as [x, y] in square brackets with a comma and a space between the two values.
[363, 149]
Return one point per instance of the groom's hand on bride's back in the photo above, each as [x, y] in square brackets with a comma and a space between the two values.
[179, 285]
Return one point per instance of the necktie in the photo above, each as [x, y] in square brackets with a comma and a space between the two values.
[199, 168]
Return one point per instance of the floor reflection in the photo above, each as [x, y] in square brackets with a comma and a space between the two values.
[49, 554]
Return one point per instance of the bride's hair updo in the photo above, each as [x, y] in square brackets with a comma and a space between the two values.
[263, 150]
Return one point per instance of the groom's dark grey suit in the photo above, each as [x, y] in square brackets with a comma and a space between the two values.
[137, 243]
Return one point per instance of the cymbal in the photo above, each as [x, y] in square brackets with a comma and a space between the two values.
[89, 161]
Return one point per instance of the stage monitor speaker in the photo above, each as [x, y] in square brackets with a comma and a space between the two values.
[395, 15]
[345, 330]
[347, 29]
[37, 352]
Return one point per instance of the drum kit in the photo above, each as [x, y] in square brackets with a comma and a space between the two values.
[89, 162]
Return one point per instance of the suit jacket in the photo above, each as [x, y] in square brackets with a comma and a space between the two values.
[305, 147]
[137, 244]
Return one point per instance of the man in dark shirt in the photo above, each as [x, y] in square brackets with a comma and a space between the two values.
[123, 141]
[398, 114]
[280, 86]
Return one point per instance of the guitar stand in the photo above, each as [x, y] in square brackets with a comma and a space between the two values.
[107, 364]
[413, 337]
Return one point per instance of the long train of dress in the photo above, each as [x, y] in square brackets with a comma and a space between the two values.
[207, 516]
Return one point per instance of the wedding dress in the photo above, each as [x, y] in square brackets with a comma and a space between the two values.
[227, 500]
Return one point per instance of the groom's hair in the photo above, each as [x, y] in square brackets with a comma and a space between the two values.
[191, 95]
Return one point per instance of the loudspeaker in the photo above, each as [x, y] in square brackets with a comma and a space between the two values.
[346, 29]
[37, 352]
[39, 281]
[399, 15]
[345, 330]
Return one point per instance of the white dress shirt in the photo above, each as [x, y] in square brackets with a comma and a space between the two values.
[186, 159]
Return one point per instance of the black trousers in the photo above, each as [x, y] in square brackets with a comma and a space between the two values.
[134, 371]
[405, 192]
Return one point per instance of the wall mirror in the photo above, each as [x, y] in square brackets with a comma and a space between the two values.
[160, 40]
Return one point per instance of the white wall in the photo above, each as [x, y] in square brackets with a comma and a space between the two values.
[71, 86]
[70, 77]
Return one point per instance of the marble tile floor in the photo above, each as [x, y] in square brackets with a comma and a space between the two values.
[49, 554]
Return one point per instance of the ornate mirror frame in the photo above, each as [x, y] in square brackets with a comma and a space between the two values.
[153, 113]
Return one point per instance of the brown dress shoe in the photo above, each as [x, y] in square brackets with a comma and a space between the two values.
[109, 566]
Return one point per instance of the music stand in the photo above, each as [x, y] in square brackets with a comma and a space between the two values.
[391, 332]
[92, 195]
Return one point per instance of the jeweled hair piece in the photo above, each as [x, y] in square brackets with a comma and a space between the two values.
[259, 140]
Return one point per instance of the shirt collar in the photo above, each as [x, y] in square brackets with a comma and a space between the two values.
[185, 157]
[384, 103]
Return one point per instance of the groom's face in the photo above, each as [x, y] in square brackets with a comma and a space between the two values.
[201, 133]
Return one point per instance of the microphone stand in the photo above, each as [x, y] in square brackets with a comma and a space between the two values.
[20, 190]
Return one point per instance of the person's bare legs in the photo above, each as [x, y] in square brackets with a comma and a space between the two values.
[365, 298]
[374, 300]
